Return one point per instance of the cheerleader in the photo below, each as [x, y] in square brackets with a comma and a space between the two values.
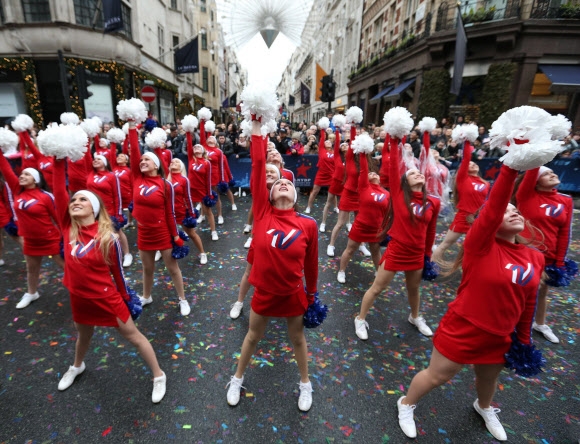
[374, 202]
[324, 173]
[37, 223]
[120, 166]
[199, 174]
[497, 294]
[183, 203]
[286, 249]
[551, 212]
[337, 186]
[7, 216]
[153, 211]
[411, 224]
[44, 163]
[94, 277]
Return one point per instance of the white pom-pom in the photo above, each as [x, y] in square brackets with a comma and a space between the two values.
[69, 119]
[132, 109]
[90, 126]
[22, 122]
[323, 123]
[126, 127]
[338, 120]
[398, 122]
[461, 133]
[261, 100]
[521, 123]
[204, 114]
[559, 126]
[116, 135]
[354, 115]
[268, 127]
[156, 138]
[63, 141]
[209, 126]
[523, 157]
[427, 124]
[246, 128]
[98, 120]
[8, 141]
[363, 144]
[189, 123]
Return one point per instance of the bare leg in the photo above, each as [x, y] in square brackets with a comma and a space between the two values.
[375, 253]
[250, 219]
[83, 342]
[129, 331]
[230, 196]
[313, 194]
[218, 206]
[194, 238]
[542, 304]
[209, 216]
[328, 206]
[32, 272]
[296, 334]
[450, 238]
[174, 271]
[348, 253]
[486, 382]
[256, 331]
[245, 284]
[342, 220]
[440, 371]
[148, 260]
[412, 281]
[382, 281]
[58, 260]
[124, 242]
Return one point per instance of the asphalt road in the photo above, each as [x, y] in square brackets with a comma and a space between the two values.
[356, 384]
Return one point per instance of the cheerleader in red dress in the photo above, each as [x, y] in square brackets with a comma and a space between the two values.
[37, 223]
[337, 186]
[94, 277]
[44, 163]
[183, 204]
[497, 294]
[374, 202]
[120, 166]
[156, 226]
[325, 169]
[469, 194]
[413, 222]
[385, 163]
[286, 254]
[551, 212]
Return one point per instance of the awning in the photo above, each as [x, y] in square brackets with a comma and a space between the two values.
[564, 78]
[396, 92]
[376, 98]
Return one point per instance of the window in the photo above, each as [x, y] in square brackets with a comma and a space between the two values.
[173, 4]
[126, 13]
[174, 41]
[1, 14]
[213, 85]
[36, 10]
[160, 39]
[203, 6]
[85, 15]
[205, 79]
[203, 39]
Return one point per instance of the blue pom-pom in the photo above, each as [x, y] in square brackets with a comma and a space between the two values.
[232, 183]
[196, 213]
[188, 221]
[133, 303]
[130, 207]
[385, 241]
[316, 313]
[430, 270]
[61, 247]
[223, 187]
[210, 200]
[571, 267]
[11, 228]
[118, 224]
[557, 276]
[180, 252]
[526, 360]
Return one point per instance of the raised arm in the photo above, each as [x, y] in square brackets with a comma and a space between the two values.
[135, 153]
[202, 136]
[363, 176]
[60, 194]
[311, 263]
[527, 186]
[432, 227]
[258, 174]
[9, 175]
[463, 170]
[394, 174]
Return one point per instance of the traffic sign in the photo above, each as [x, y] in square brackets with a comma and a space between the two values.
[148, 94]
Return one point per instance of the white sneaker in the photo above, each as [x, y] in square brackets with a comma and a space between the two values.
[322, 227]
[127, 260]
[159, 386]
[547, 332]
[198, 206]
[214, 236]
[361, 327]
[247, 228]
[200, 219]
[348, 227]
[69, 377]
[248, 243]
[305, 399]
[336, 210]
[421, 325]
[234, 390]
[203, 258]
[157, 255]
[145, 301]
[330, 251]
[2, 262]
[492, 423]
[236, 310]
[364, 250]
[220, 220]
[341, 277]
[406, 421]
[243, 194]
[234, 207]
[27, 299]
[307, 210]
[184, 307]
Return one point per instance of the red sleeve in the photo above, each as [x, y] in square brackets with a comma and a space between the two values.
[524, 325]
[117, 200]
[115, 261]
[169, 208]
[227, 172]
[321, 149]
[432, 228]
[394, 174]
[564, 235]
[113, 156]
[188, 201]
[9, 175]
[363, 177]
[202, 136]
[463, 170]
[88, 158]
[126, 146]
[221, 164]
[385, 155]
[61, 197]
[311, 264]
[260, 199]
[135, 153]
[527, 186]
[32, 147]
[189, 147]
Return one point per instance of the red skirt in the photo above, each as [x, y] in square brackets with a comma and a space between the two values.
[399, 257]
[323, 180]
[364, 233]
[460, 224]
[267, 304]
[349, 200]
[153, 239]
[336, 187]
[460, 341]
[102, 311]
[41, 247]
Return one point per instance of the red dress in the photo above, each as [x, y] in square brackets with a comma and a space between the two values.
[182, 197]
[199, 174]
[285, 250]
[97, 289]
[124, 177]
[385, 164]
[35, 210]
[349, 197]
[325, 164]
[337, 184]
[106, 185]
[498, 288]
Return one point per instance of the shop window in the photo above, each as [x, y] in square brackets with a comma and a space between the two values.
[36, 11]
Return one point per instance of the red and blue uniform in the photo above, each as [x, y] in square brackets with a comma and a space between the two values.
[78, 171]
[337, 185]
[106, 185]
[199, 173]
[181, 195]
[349, 197]
[325, 164]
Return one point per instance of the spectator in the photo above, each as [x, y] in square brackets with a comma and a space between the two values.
[232, 133]
[296, 148]
[311, 146]
[225, 145]
[242, 147]
[175, 140]
[285, 141]
[415, 142]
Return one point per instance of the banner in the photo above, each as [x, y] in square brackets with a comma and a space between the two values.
[187, 58]
[234, 100]
[304, 94]
[460, 51]
[320, 73]
[113, 16]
